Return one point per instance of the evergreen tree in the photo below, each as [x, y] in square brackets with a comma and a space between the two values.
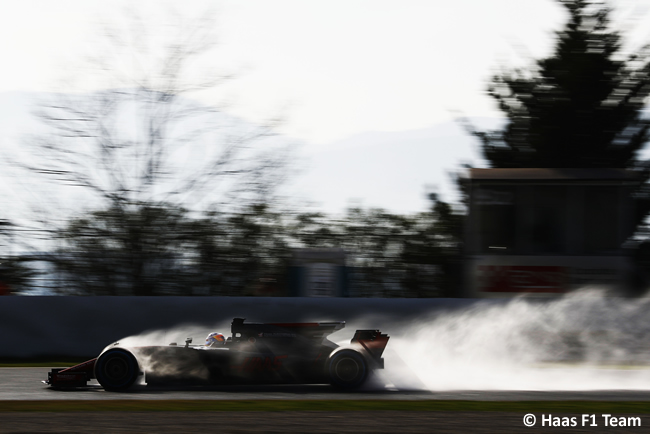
[579, 108]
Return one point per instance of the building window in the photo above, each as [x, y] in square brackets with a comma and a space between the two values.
[601, 222]
[549, 228]
[496, 212]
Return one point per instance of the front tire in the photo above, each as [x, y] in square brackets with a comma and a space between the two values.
[347, 369]
[117, 370]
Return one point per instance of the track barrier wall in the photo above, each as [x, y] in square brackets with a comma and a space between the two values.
[82, 326]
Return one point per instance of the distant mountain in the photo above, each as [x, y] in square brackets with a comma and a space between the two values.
[391, 170]
[15, 116]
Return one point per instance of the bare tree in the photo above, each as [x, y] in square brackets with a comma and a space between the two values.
[143, 138]
[140, 145]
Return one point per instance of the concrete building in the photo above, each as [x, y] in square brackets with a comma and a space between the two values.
[547, 231]
[318, 273]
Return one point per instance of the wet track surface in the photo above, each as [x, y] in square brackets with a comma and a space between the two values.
[25, 384]
[21, 384]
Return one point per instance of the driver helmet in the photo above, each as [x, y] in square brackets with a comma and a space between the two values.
[215, 339]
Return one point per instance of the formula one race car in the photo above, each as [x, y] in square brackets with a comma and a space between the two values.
[274, 353]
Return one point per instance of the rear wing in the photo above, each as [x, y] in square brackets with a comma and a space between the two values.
[311, 330]
[373, 341]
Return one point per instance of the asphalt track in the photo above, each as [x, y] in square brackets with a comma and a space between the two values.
[25, 384]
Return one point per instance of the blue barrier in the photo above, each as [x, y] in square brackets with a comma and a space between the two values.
[83, 326]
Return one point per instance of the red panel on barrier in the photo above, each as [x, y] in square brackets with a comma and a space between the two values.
[522, 278]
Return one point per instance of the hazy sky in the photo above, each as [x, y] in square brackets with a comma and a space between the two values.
[333, 68]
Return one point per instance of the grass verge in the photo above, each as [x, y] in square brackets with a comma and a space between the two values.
[610, 407]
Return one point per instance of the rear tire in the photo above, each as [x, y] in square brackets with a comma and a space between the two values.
[117, 370]
[347, 369]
